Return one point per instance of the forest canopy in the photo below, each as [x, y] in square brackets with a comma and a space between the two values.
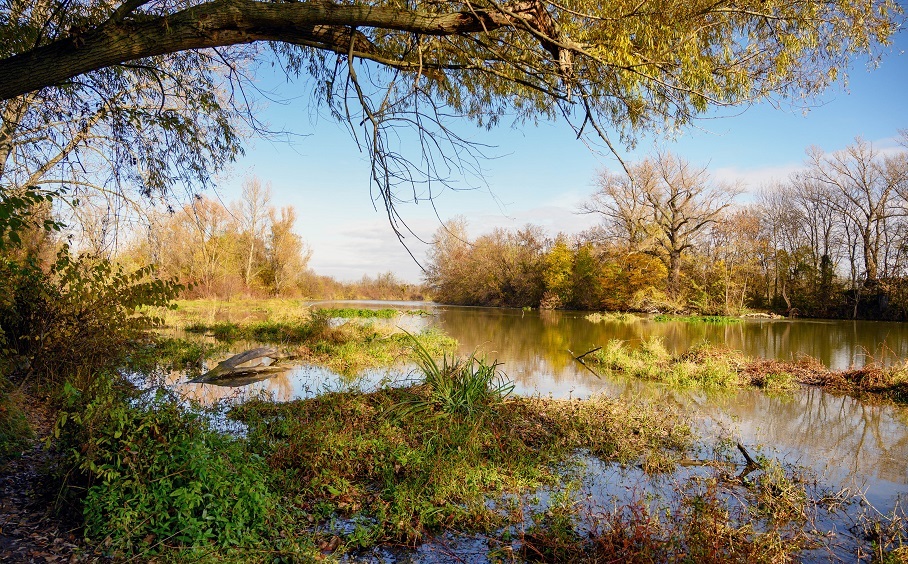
[614, 67]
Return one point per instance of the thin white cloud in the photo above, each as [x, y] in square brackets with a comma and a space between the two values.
[758, 177]
[755, 178]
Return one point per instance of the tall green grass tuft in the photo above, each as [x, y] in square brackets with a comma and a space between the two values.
[459, 387]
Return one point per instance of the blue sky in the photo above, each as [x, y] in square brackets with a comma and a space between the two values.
[540, 173]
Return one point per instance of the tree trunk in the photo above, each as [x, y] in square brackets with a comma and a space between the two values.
[674, 273]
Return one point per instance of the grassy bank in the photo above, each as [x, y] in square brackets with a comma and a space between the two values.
[715, 368]
[402, 474]
[346, 348]
[210, 311]
[153, 476]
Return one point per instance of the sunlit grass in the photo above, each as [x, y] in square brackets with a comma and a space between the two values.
[406, 474]
[612, 317]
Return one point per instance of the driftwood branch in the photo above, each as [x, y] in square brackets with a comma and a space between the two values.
[581, 361]
[751, 463]
[252, 363]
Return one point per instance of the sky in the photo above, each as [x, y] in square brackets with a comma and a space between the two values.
[540, 173]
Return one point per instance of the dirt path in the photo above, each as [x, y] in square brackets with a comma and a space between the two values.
[28, 530]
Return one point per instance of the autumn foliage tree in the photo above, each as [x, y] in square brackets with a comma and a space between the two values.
[217, 252]
[829, 241]
[661, 206]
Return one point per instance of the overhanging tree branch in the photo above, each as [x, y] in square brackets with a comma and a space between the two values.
[228, 22]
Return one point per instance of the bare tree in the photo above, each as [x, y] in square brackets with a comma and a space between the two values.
[662, 205]
[253, 216]
[863, 185]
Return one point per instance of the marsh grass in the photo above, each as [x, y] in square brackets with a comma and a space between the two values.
[457, 386]
[236, 310]
[712, 367]
[208, 312]
[872, 381]
[172, 353]
[652, 361]
[347, 348]
[406, 475]
[362, 313]
[296, 331]
[612, 317]
[711, 517]
[885, 534]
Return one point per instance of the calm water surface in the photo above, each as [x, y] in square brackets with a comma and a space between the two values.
[847, 441]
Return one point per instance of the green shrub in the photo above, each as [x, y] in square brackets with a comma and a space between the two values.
[80, 314]
[155, 474]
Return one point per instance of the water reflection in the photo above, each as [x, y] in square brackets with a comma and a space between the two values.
[521, 337]
[851, 442]
[297, 382]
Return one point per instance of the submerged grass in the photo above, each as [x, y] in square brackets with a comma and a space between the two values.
[712, 518]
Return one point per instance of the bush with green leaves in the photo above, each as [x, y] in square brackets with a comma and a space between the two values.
[78, 314]
[20, 211]
[155, 474]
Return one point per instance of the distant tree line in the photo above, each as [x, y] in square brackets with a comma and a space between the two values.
[830, 241]
[245, 248]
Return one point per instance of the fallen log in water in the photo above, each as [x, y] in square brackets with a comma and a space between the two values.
[255, 364]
